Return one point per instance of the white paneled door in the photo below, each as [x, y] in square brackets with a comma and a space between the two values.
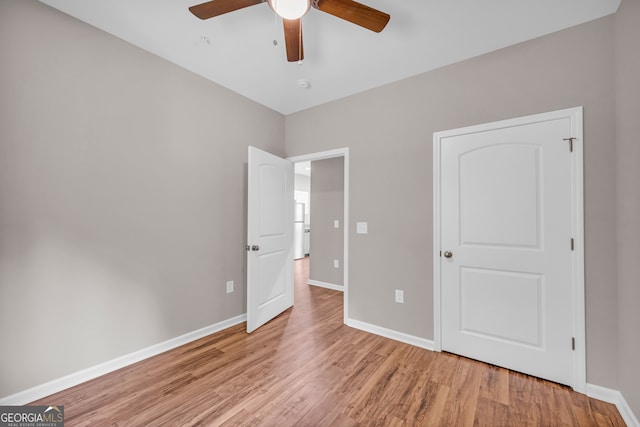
[269, 237]
[507, 244]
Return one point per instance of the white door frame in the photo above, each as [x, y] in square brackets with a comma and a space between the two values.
[577, 207]
[331, 154]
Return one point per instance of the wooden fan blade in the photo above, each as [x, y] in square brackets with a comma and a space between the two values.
[220, 7]
[354, 12]
[293, 39]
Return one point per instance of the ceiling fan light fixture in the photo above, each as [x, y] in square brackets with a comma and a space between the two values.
[290, 9]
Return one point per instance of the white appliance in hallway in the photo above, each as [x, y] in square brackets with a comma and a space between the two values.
[298, 232]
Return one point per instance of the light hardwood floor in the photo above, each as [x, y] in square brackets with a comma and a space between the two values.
[305, 368]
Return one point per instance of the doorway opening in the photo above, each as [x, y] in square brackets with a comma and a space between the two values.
[333, 264]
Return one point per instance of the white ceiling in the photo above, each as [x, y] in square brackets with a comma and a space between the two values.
[236, 50]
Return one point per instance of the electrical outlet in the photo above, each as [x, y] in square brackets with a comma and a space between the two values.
[336, 263]
[400, 296]
[230, 286]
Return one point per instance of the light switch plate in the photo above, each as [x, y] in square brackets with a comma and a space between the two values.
[336, 223]
[399, 296]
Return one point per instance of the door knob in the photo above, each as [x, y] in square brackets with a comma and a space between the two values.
[255, 248]
[447, 254]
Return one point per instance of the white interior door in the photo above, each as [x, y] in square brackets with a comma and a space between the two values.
[506, 265]
[270, 237]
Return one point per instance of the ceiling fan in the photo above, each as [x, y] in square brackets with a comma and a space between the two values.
[292, 11]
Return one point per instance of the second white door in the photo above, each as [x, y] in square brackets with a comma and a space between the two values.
[506, 235]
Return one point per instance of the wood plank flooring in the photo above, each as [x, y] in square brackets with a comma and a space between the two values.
[305, 368]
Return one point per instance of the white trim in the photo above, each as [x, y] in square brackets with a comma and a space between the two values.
[437, 326]
[321, 284]
[51, 387]
[615, 397]
[577, 207]
[331, 154]
[391, 334]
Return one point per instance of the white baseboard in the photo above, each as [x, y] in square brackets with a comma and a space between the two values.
[391, 334]
[326, 285]
[47, 389]
[615, 397]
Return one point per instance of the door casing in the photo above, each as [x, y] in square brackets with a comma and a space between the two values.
[577, 207]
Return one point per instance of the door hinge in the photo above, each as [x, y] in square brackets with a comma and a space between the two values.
[570, 142]
[573, 343]
[572, 243]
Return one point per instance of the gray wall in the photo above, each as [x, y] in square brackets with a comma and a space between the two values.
[628, 206]
[327, 205]
[389, 131]
[122, 196]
